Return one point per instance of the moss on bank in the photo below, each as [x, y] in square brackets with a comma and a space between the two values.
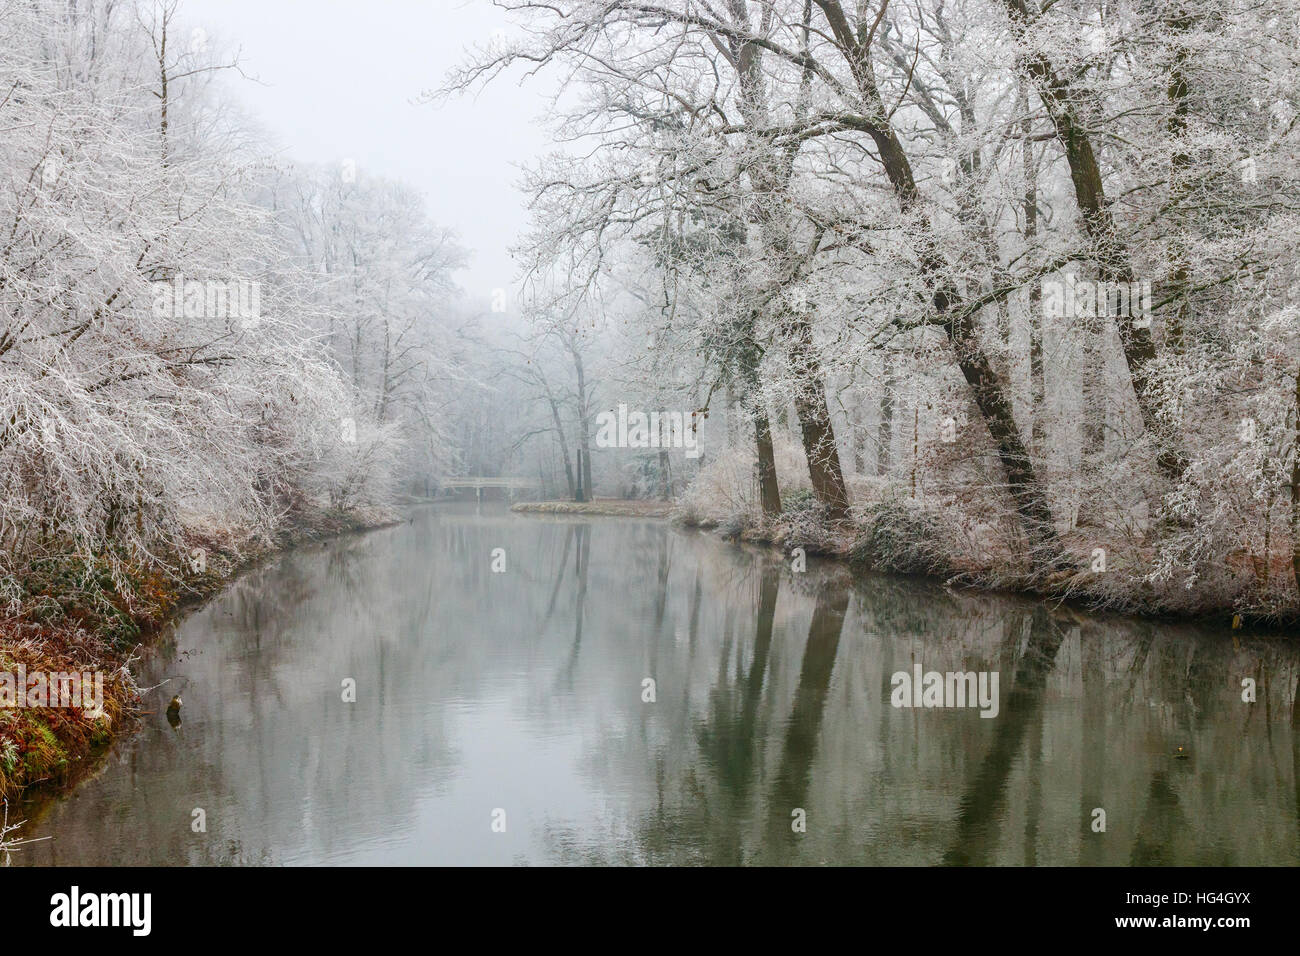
[95, 615]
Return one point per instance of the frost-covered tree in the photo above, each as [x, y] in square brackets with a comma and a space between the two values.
[161, 372]
[1039, 258]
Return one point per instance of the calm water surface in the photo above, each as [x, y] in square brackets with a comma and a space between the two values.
[522, 691]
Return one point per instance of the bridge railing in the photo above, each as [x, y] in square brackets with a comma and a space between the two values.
[479, 482]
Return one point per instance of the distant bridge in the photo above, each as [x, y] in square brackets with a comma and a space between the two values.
[478, 483]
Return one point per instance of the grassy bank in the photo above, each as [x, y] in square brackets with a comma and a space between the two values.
[98, 616]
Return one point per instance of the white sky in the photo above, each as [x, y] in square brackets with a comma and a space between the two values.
[338, 79]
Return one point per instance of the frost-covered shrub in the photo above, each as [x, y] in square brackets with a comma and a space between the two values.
[726, 489]
[804, 522]
[722, 493]
[904, 539]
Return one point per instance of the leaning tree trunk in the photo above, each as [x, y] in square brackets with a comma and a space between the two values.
[815, 422]
[989, 392]
[1111, 254]
[987, 388]
[995, 408]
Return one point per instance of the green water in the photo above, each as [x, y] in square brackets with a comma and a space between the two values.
[517, 699]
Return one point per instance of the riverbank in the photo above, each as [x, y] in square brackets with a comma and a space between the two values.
[898, 537]
[96, 618]
[1097, 574]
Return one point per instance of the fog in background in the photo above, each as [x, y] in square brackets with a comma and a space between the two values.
[331, 80]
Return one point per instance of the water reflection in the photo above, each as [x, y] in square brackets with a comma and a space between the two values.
[522, 691]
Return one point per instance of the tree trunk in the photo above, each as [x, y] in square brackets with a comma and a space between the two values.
[989, 393]
[769, 491]
[771, 177]
[885, 434]
[1037, 376]
[995, 408]
[385, 377]
[1094, 397]
[1037, 323]
[1295, 485]
[663, 465]
[815, 422]
[584, 424]
[1179, 186]
[1109, 251]
[564, 445]
[586, 469]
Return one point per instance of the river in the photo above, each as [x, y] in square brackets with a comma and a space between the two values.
[505, 716]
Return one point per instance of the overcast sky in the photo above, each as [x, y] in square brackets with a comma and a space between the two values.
[339, 79]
